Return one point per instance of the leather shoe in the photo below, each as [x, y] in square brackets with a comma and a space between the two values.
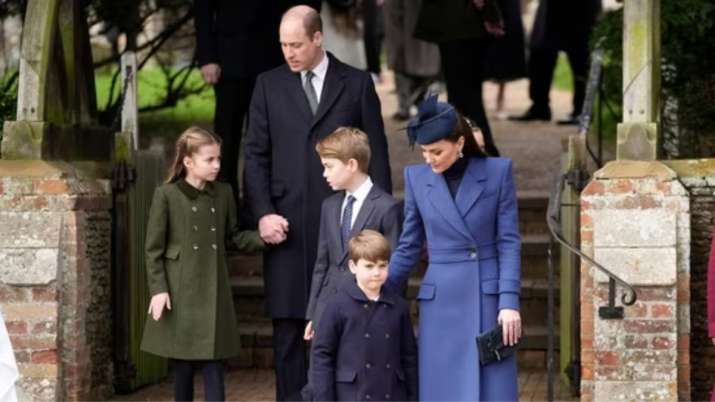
[570, 120]
[532, 115]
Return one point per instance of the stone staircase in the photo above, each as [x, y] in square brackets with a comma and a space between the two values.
[255, 328]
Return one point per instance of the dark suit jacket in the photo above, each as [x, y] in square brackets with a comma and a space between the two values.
[241, 35]
[447, 20]
[378, 212]
[561, 22]
[283, 173]
[364, 350]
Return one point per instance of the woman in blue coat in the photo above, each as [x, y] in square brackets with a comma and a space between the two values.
[463, 205]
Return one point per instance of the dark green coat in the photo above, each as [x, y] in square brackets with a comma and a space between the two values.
[187, 236]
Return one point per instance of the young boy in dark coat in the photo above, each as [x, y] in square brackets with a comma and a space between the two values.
[358, 205]
[364, 347]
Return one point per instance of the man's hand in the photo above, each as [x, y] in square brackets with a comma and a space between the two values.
[211, 73]
[157, 304]
[495, 29]
[309, 332]
[510, 320]
[273, 228]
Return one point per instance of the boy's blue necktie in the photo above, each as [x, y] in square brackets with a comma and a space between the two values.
[345, 225]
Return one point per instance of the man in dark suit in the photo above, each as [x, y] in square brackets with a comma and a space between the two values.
[560, 25]
[462, 28]
[294, 106]
[236, 41]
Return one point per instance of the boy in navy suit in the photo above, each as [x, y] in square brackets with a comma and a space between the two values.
[364, 347]
[345, 156]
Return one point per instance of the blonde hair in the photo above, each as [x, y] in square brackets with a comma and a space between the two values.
[369, 245]
[188, 144]
[344, 144]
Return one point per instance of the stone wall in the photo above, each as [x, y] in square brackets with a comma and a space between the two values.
[635, 221]
[55, 295]
[698, 176]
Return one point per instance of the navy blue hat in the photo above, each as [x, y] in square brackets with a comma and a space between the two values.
[434, 121]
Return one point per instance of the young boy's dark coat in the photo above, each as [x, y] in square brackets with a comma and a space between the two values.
[364, 350]
[379, 212]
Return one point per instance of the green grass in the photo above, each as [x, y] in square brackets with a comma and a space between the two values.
[563, 79]
[169, 122]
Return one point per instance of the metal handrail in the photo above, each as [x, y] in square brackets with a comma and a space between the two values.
[629, 297]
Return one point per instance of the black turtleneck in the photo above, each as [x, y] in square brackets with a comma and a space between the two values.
[453, 175]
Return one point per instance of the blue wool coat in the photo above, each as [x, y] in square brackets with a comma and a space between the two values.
[364, 350]
[474, 271]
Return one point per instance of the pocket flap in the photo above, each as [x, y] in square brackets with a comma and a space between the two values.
[172, 252]
[426, 292]
[490, 287]
[345, 376]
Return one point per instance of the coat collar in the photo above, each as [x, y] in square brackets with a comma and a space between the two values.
[192, 192]
[386, 296]
[333, 86]
[455, 209]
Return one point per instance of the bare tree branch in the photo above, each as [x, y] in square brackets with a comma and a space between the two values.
[154, 43]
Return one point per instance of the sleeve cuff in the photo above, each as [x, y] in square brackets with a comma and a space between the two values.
[509, 301]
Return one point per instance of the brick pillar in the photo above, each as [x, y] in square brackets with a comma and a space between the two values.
[55, 295]
[635, 221]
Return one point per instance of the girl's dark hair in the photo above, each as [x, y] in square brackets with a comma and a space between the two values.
[463, 129]
[187, 144]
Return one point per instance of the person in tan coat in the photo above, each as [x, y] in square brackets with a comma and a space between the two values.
[192, 222]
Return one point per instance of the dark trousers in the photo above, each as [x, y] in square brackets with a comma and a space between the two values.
[410, 90]
[462, 67]
[233, 97]
[289, 358]
[372, 34]
[542, 62]
[212, 371]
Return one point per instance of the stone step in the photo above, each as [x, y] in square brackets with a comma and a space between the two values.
[536, 337]
[246, 287]
[257, 338]
[532, 224]
[533, 251]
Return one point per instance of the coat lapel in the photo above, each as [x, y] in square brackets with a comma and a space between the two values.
[438, 194]
[332, 88]
[297, 94]
[366, 210]
[471, 186]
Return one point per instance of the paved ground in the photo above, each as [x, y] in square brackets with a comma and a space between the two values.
[257, 385]
[535, 149]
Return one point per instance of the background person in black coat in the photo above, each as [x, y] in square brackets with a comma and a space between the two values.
[462, 29]
[236, 41]
[560, 25]
[284, 186]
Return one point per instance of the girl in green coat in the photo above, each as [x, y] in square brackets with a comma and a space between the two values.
[191, 223]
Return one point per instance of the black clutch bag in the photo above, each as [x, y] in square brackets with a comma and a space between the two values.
[491, 348]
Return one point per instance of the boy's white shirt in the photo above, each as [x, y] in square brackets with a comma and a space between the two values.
[360, 195]
[8, 366]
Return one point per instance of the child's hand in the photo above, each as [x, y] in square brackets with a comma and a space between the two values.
[309, 333]
[157, 303]
[510, 320]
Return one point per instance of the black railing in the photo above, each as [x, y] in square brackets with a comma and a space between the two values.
[577, 179]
